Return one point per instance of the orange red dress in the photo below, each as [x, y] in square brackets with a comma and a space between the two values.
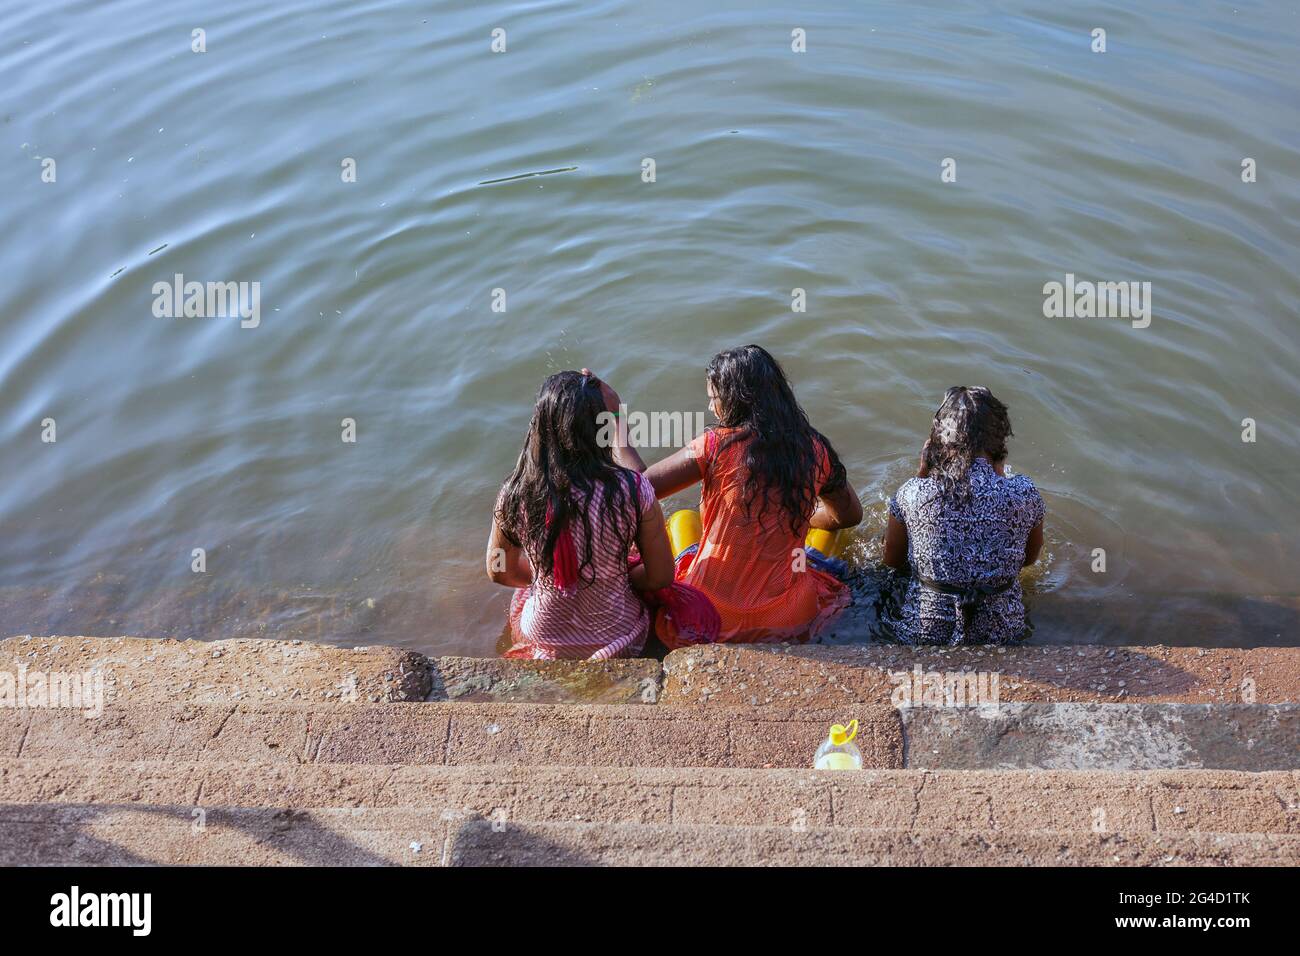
[752, 567]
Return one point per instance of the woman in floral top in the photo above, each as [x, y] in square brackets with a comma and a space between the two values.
[965, 530]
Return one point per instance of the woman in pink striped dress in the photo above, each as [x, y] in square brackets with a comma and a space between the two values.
[564, 523]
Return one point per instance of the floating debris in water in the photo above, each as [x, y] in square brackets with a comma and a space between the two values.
[540, 172]
[151, 252]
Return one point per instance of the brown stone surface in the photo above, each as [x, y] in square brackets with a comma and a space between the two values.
[588, 844]
[61, 834]
[64, 834]
[160, 671]
[477, 679]
[293, 673]
[986, 801]
[451, 733]
[105, 835]
[570, 766]
[832, 677]
[1104, 737]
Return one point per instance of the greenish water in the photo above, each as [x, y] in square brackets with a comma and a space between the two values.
[774, 170]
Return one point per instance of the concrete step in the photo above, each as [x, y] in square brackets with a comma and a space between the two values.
[447, 733]
[1045, 736]
[1095, 801]
[62, 834]
[832, 677]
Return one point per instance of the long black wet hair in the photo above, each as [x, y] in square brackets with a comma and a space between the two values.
[755, 397]
[562, 464]
[970, 422]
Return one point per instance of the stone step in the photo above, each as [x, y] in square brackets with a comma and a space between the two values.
[832, 677]
[63, 834]
[1247, 737]
[479, 843]
[290, 673]
[165, 672]
[447, 733]
[1104, 737]
[1132, 802]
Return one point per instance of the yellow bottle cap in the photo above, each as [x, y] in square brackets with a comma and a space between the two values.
[841, 735]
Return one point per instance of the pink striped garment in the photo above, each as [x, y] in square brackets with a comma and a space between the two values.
[596, 621]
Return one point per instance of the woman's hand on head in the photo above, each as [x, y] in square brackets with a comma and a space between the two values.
[612, 401]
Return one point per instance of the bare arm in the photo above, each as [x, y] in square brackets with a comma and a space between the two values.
[895, 555]
[675, 473]
[839, 509]
[896, 545]
[1034, 545]
[625, 456]
[506, 562]
[656, 568]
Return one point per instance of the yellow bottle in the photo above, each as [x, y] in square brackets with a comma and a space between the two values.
[838, 751]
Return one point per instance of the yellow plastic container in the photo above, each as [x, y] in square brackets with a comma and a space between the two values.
[684, 530]
[827, 542]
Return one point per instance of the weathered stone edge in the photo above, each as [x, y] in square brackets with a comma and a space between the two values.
[237, 671]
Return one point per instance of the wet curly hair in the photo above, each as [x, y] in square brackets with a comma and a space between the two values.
[781, 454]
[970, 422]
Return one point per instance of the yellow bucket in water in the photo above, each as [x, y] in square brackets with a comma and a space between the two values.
[684, 530]
[827, 542]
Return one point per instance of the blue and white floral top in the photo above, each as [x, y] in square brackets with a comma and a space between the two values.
[980, 543]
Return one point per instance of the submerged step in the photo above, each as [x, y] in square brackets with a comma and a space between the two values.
[950, 800]
[54, 834]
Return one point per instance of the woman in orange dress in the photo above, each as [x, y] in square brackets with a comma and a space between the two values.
[768, 476]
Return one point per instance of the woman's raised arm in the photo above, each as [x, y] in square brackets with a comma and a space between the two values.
[675, 473]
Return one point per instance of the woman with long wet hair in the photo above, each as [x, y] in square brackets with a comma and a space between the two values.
[767, 476]
[564, 523]
[964, 529]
